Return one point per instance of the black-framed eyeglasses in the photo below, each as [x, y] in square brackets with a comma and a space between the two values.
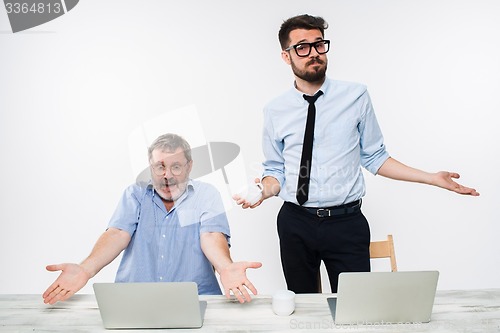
[304, 49]
[175, 169]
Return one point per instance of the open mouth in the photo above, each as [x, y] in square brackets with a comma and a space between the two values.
[169, 185]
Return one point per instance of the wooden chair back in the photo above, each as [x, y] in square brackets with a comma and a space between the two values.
[384, 249]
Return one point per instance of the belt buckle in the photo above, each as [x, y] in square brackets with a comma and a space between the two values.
[322, 212]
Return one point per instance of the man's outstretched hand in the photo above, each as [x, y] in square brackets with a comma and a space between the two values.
[444, 179]
[72, 278]
[234, 278]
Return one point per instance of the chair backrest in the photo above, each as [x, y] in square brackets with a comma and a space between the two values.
[378, 249]
[384, 249]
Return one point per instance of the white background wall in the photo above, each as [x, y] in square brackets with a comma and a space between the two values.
[72, 91]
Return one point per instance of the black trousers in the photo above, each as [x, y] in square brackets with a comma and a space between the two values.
[341, 242]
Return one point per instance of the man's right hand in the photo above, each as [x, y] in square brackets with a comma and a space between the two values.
[271, 187]
[72, 278]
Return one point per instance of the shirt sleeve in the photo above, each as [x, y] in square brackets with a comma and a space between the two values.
[373, 151]
[126, 215]
[274, 163]
[213, 215]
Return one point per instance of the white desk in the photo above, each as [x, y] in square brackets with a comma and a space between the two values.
[454, 311]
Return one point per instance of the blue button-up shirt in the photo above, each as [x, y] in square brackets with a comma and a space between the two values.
[346, 137]
[165, 245]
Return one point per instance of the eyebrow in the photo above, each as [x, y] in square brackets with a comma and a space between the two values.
[163, 164]
[305, 40]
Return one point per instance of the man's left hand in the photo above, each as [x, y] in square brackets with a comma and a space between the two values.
[234, 279]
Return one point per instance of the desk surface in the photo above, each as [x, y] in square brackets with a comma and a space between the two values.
[454, 311]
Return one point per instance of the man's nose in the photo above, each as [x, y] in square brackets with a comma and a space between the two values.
[168, 174]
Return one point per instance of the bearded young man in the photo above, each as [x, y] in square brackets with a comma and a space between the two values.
[317, 137]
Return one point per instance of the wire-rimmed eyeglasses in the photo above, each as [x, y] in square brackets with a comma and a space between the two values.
[175, 169]
[304, 49]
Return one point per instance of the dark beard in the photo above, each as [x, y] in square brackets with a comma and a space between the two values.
[316, 76]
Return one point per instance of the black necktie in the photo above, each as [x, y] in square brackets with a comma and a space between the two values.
[307, 147]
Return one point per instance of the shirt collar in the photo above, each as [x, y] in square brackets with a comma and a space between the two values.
[324, 88]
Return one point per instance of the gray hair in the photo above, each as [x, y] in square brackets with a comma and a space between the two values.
[169, 143]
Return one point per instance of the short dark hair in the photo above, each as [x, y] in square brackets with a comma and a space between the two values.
[305, 21]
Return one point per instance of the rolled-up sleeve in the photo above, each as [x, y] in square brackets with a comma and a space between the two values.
[274, 163]
[373, 151]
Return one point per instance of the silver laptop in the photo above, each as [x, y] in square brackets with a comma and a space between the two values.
[150, 305]
[384, 297]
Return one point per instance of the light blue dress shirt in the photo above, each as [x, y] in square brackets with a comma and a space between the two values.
[346, 137]
[165, 246]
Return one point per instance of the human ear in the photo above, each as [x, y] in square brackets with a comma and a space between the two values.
[190, 166]
[286, 57]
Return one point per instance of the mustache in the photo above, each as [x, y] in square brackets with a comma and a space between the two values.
[315, 60]
[169, 182]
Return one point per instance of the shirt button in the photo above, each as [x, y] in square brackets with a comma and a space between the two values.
[161, 277]
[161, 256]
[163, 236]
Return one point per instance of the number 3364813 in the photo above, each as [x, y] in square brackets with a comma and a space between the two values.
[35, 8]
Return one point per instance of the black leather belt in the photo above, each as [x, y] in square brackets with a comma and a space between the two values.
[348, 208]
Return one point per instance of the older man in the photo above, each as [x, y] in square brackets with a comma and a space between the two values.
[174, 229]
